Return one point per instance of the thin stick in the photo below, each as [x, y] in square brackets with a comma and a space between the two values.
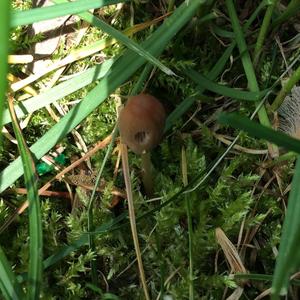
[125, 165]
[190, 224]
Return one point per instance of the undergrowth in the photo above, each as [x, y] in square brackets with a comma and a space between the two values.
[243, 196]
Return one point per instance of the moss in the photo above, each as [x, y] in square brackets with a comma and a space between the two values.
[241, 191]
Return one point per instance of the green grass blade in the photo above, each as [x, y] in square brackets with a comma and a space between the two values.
[31, 16]
[288, 259]
[9, 286]
[263, 30]
[138, 86]
[90, 18]
[179, 111]
[205, 84]
[246, 60]
[188, 200]
[260, 131]
[61, 90]
[121, 71]
[90, 210]
[35, 222]
[4, 37]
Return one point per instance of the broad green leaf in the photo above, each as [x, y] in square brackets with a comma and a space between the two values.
[31, 16]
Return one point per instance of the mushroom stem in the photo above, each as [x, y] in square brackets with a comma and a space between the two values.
[147, 173]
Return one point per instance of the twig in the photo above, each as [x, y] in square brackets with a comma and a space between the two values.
[125, 165]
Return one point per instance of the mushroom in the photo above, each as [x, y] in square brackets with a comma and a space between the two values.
[141, 123]
[289, 114]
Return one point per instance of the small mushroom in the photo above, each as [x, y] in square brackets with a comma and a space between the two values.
[141, 124]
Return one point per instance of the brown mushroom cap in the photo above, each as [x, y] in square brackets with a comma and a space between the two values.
[141, 123]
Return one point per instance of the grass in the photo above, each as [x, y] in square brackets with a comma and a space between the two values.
[224, 217]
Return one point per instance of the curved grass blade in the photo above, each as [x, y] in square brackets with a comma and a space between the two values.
[246, 59]
[121, 71]
[292, 9]
[4, 37]
[30, 16]
[184, 170]
[11, 289]
[90, 18]
[263, 31]
[205, 84]
[260, 131]
[187, 103]
[35, 222]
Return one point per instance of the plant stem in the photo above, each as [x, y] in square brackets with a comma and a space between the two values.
[190, 224]
[286, 89]
[147, 174]
[291, 10]
[263, 31]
